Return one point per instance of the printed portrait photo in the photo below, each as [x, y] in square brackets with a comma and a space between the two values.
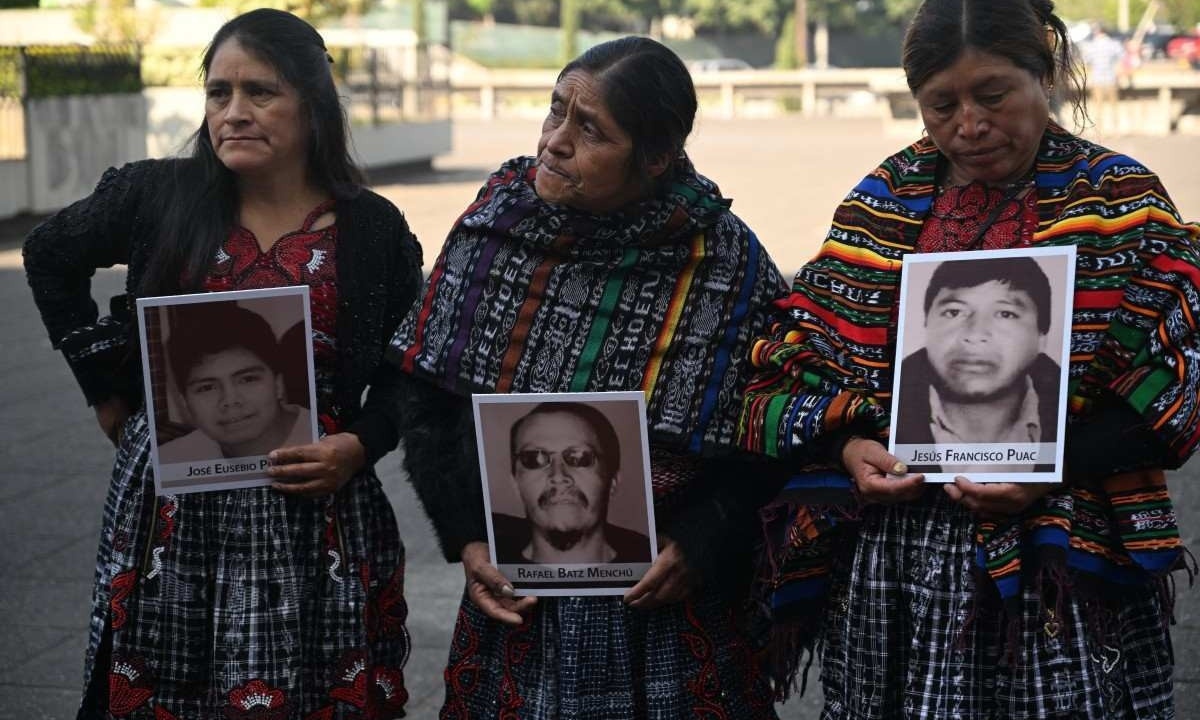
[228, 379]
[567, 488]
[980, 390]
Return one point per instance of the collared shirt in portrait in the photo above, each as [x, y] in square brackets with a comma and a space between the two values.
[1026, 429]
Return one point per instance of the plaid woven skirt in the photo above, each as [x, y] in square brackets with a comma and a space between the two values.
[244, 603]
[585, 658]
[906, 639]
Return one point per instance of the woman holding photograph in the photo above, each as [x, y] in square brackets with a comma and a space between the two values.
[604, 263]
[281, 601]
[988, 600]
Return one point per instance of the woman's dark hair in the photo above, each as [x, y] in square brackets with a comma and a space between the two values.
[649, 93]
[1018, 273]
[1027, 32]
[199, 202]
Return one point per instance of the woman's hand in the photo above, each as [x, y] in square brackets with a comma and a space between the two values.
[879, 476]
[996, 501]
[319, 468]
[667, 581]
[111, 416]
[489, 590]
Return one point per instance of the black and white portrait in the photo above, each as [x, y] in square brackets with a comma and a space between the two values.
[981, 388]
[228, 379]
[567, 490]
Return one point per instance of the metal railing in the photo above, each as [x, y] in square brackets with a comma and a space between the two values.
[394, 84]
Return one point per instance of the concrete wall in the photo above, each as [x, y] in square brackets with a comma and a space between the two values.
[72, 140]
[383, 145]
[14, 187]
[172, 117]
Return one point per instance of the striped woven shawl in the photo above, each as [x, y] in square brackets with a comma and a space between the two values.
[664, 296]
[1134, 335]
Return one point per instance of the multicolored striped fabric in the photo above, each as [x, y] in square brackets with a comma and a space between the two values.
[532, 297]
[828, 366]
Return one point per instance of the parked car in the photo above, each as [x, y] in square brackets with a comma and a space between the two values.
[718, 65]
[1185, 47]
[1154, 44]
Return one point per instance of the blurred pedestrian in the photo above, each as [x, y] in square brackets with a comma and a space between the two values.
[270, 602]
[1102, 56]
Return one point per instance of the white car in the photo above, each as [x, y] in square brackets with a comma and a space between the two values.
[718, 65]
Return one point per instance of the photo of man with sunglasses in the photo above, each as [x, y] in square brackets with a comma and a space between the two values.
[566, 465]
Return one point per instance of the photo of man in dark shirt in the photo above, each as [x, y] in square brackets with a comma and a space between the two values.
[983, 375]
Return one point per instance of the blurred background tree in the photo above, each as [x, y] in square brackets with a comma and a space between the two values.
[1183, 14]
[312, 10]
[484, 9]
[117, 21]
[569, 18]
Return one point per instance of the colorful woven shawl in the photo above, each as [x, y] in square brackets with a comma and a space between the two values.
[1137, 301]
[664, 296]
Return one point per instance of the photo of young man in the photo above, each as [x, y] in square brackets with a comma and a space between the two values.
[233, 388]
[982, 389]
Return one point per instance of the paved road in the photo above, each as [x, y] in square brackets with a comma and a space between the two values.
[785, 175]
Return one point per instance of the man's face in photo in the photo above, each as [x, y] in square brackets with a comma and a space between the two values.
[560, 474]
[235, 398]
[981, 340]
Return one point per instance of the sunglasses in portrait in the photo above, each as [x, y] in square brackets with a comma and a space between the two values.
[572, 457]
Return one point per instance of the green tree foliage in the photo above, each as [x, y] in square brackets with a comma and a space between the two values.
[712, 16]
[52, 71]
[900, 10]
[764, 16]
[769, 16]
[10, 72]
[418, 21]
[785, 45]
[311, 10]
[1183, 14]
[483, 8]
[116, 21]
[13, 4]
[569, 12]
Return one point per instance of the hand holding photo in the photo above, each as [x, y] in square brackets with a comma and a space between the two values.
[985, 341]
[224, 385]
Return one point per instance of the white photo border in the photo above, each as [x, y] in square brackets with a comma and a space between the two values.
[1067, 288]
[243, 479]
[577, 572]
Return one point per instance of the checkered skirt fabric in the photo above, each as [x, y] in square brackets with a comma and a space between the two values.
[578, 658]
[903, 639]
[232, 603]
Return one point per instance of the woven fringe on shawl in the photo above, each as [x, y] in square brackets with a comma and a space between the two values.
[792, 583]
[805, 542]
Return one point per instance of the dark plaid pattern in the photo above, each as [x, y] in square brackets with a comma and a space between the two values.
[246, 603]
[579, 658]
[904, 638]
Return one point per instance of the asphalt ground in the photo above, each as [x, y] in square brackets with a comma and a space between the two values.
[785, 175]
